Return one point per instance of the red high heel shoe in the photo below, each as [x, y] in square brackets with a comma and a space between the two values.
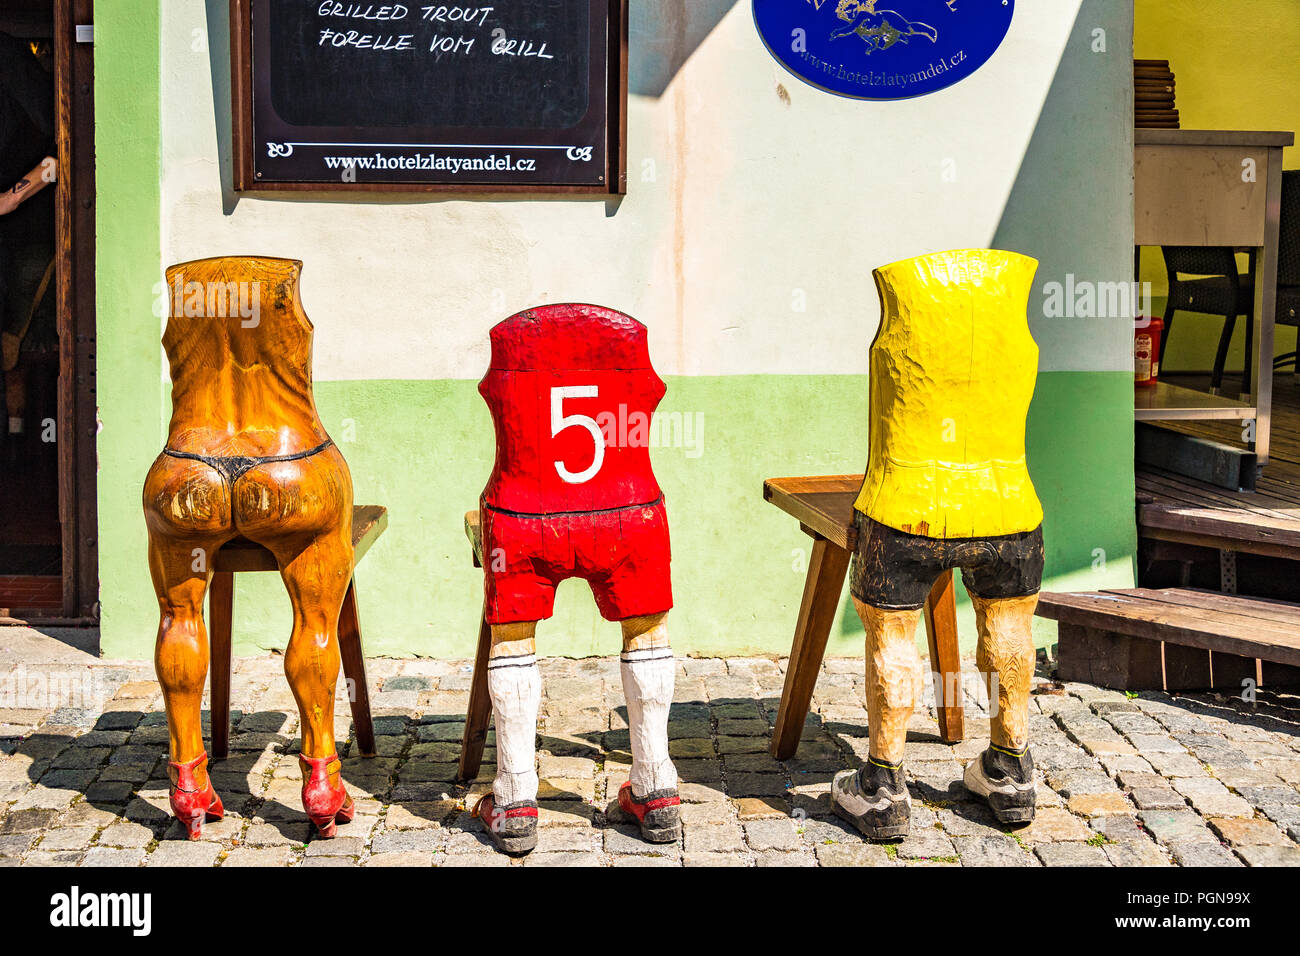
[191, 803]
[323, 796]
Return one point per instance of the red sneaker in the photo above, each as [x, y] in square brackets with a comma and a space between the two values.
[658, 813]
[514, 828]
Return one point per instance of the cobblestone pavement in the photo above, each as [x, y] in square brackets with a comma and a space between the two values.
[1149, 781]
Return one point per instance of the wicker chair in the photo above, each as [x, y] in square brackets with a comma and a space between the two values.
[1205, 279]
[1288, 263]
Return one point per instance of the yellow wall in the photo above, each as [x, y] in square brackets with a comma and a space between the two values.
[1236, 67]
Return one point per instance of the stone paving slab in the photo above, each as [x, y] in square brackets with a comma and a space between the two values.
[1147, 780]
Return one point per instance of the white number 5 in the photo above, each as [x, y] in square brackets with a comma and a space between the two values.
[560, 421]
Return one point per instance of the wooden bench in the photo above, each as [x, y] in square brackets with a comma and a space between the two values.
[368, 523]
[824, 507]
[1173, 638]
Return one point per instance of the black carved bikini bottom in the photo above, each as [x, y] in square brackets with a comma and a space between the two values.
[232, 468]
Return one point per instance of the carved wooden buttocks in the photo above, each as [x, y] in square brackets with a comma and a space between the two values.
[247, 457]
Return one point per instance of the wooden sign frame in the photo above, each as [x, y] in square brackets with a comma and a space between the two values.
[243, 141]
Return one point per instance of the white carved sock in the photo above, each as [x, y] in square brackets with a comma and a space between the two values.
[515, 686]
[648, 686]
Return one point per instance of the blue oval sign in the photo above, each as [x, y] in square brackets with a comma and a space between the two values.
[882, 49]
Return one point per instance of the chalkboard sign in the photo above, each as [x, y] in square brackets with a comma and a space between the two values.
[503, 95]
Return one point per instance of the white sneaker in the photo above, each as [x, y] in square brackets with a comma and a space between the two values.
[1006, 781]
[874, 799]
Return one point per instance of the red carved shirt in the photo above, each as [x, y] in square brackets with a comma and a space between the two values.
[571, 392]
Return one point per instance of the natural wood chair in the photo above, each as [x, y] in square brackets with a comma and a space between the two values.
[247, 458]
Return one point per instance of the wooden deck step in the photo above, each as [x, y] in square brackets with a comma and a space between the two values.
[1180, 510]
[1183, 511]
[1172, 638]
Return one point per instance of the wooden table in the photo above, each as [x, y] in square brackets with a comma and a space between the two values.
[368, 523]
[823, 506]
[1214, 188]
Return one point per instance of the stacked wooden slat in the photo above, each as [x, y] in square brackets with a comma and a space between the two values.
[1153, 91]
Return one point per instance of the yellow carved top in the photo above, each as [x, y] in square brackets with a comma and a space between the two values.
[953, 368]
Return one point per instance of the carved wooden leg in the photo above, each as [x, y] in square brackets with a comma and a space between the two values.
[515, 687]
[354, 669]
[301, 510]
[1006, 658]
[821, 601]
[645, 633]
[892, 663]
[945, 658]
[479, 711]
[317, 577]
[181, 652]
[221, 599]
[648, 671]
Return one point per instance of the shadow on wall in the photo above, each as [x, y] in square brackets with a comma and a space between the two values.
[1082, 146]
[218, 17]
[662, 35]
[1071, 207]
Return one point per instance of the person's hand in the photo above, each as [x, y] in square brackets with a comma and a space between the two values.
[8, 202]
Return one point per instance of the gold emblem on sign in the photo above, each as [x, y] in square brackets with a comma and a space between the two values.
[879, 29]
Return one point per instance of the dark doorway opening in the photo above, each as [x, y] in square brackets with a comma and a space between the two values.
[48, 563]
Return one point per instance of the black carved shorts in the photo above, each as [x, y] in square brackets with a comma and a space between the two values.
[894, 570]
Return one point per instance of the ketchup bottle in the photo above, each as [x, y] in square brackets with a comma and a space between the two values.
[1146, 349]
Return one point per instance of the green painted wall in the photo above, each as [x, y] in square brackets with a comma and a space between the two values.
[129, 389]
[425, 448]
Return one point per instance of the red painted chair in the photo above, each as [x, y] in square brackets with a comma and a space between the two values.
[572, 493]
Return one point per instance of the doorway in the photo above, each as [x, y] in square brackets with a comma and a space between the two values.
[48, 560]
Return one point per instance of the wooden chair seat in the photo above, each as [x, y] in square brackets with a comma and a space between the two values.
[368, 523]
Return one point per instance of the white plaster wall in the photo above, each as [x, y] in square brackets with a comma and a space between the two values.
[750, 193]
